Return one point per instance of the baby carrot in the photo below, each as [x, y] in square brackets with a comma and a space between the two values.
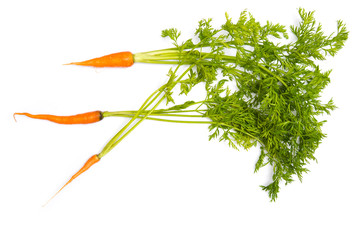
[120, 59]
[91, 161]
[83, 118]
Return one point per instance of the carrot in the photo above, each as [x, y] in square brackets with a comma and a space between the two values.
[120, 59]
[83, 118]
[91, 161]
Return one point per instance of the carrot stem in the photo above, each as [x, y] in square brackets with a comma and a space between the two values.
[148, 102]
[121, 113]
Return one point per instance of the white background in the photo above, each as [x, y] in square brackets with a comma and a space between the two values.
[164, 181]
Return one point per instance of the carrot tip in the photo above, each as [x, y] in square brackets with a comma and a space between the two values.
[72, 63]
[26, 114]
[14, 116]
[91, 161]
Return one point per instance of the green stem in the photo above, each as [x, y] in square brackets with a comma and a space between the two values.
[129, 115]
[150, 100]
[132, 128]
[157, 55]
[173, 56]
[273, 74]
[120, 113]
[108, 146]
[164, 120]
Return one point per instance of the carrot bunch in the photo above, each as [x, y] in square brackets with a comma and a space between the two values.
[268, 105]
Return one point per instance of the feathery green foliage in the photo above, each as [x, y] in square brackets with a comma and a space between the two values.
[278, 85]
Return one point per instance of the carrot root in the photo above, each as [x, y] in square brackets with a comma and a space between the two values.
[91, 161]
[120, 59]
[83, 118]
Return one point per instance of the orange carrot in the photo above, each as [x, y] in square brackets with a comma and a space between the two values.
[91, 161]
[83, 118]
[121, 59]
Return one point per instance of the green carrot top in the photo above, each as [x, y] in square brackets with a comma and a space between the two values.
[277, 90]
